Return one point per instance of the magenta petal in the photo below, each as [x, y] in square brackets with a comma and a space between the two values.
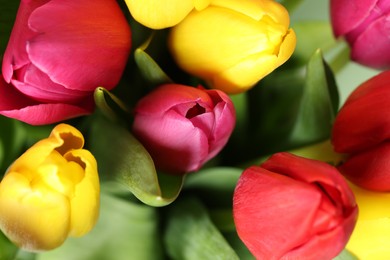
[15, 105]
[168, 96]
[372, 46]
[346, 15]
[85, 44]
[175, 145]
[15, 55]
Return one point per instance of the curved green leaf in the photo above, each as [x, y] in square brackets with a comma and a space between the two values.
[124, 230]
[149, 68]
[190, 234]
[122, 157]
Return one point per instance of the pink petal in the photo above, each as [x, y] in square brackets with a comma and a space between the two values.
[346, 15]
[15, 105]
[372, 46]
[175, 145]
[16, 55]
[85, 44]
[168, 96]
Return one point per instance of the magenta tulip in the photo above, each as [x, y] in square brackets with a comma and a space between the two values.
[291, 207]
[362, 131]
[58, 53]
[365, 24]
[183, 127]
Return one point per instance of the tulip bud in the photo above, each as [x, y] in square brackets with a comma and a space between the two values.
[159, 14]
[370, 238]
[365, 26]
[50, 192]
[52, 68]
[291, 207]
[233, 44]
[362, 130]
[183, 127]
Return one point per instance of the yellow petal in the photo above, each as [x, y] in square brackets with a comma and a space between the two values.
[370, 238]
[160, 14]
[33, 219]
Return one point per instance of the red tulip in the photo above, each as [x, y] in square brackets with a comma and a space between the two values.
[59, 51]
[365, 24]
[362, 130]
[183, 127]
[291, 207]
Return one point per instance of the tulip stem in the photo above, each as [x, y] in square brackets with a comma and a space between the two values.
[339, 56]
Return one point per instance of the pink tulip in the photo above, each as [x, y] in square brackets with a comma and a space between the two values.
[291, 207]
[362, 131]
[365, 24]
[59, 51]
[183, 127]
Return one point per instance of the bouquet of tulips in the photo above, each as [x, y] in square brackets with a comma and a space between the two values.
[202, 129]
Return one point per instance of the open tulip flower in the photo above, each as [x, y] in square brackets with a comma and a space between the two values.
[233, 44]
[58, 53]
[291, 207]
[365, 26]
[159, 14]
[362, 131]
[50, 192]
[183, 127]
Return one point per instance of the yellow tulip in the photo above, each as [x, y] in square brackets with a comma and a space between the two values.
[50, 192]
[159, 14]
[370, 239]
[232, 44]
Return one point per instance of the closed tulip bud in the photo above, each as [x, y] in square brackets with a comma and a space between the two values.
[233, 44]
[50, 192]
[291, 207]
[159, 14]
[370, 238]
[365, 25]
[362, 131]
[183, 127]
[58, 53]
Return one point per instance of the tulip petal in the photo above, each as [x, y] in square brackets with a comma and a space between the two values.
[161, 14]
[48, 214]
[14, 104]
[171, 95]
[16, 55]
[95, 45]
[270, 200]
[85, 203]
[346, 15]
[371, 100]
[371, 50]
[173, 141]
[369, 169]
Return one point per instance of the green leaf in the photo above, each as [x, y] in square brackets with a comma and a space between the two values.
[109, 104]
[345, 255]
[148, 67]
[122, 157]
[318, 104]
[217, 183]
[7, 249]
[190, 234]
[124, 230]
[12, 139]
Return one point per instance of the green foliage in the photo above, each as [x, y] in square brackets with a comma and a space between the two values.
[122, 157]
[190, 233]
